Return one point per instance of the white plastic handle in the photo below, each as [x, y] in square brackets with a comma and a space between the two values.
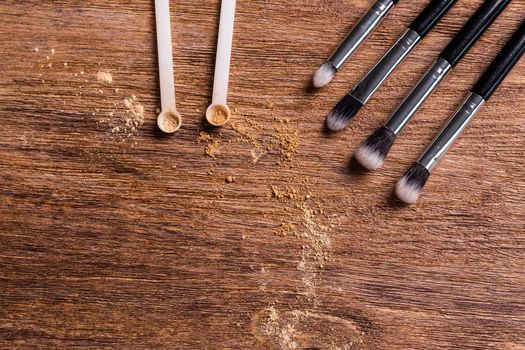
[164, 44]
[224, 49]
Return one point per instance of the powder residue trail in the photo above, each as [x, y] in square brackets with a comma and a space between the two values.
[314, 224]
[311, 225]
[299, 330]
[302, 213]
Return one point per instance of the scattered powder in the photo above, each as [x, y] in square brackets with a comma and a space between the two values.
[273, 315]
[316, 236]
[302, 330]
[276, 193]
[288, 139]
[204, 137]
[256, 156]
[307, 221]
[286, 228]
[135, 117]
[312, 227]
[212, 149]
[212, 145]
[104, 77]
[254, 124]
[219, 118]
[245, 135]
[289, 193]
[132, 120]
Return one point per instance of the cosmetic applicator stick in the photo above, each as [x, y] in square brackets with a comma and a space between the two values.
[368, 23]
[347, 108]
[373, 152]
[409, 188]
[218, 113]
[169, 120]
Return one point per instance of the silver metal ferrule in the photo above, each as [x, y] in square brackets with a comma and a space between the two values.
[382, 70]
[451, 132]
[360, 32]
[418, 95]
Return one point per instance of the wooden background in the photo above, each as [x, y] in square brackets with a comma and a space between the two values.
[112, 238]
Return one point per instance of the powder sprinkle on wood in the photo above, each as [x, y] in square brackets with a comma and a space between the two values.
[212, 149]
[105, 77]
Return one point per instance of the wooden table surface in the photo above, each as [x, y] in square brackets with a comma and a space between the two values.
[263, 234]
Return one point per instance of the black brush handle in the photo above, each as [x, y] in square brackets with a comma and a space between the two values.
[502, 64]
[472, 30]
[430, 15]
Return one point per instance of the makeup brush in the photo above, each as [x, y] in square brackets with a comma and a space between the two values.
[218, 113]
[348, 107]
[352, 41]
[373, 152]
[409, 188]
[169, 120]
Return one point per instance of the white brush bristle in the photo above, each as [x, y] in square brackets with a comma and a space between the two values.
[335, 121]
[369, 157]
[407, 192]
[323, 75]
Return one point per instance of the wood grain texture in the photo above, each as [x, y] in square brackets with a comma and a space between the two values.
[111, 240]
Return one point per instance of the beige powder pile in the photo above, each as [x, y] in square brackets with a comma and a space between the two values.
[213, 148]
[105, 77]
[204, 137]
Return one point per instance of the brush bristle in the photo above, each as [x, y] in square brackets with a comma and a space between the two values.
[372, 153]
[343, 113]
[324, 75]
[409, 188]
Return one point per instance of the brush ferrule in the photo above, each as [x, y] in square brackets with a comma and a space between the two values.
[426, 86]
[451, 132]
[382, 70]
[360, 32]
